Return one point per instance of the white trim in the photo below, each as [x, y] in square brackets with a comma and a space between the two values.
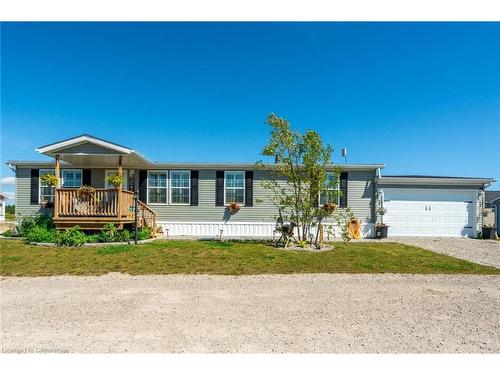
[171, 188]
[433, 181]
[147, 186]
[244, 188]
[240, 229]
[81, 139]
[70, 170]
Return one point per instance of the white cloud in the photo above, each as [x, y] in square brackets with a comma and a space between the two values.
[6, 181]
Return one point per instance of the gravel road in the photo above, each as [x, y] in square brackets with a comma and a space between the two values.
[485, 252]
[274, 313]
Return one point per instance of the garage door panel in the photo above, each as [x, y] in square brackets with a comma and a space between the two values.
[424, 216]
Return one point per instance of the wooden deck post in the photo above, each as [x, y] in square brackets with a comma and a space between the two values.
[58, 185]
[120, 188]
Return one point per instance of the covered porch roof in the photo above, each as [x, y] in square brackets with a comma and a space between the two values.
[92, 151]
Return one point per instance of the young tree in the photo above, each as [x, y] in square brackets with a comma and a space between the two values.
[300, 174]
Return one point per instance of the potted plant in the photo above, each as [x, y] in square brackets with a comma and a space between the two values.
[114, 180]
[85, 193]
[233, 208]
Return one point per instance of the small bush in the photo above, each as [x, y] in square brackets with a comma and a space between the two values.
[144, 233]
[123, 236]
[40, 234]
[30, 222]
[71, 237]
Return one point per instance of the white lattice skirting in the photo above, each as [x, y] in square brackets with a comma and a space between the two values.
[240, 229]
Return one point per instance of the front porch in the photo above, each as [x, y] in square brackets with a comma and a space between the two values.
[85, 203]
[103, 206]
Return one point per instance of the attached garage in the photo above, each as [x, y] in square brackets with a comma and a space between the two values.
[424, 206]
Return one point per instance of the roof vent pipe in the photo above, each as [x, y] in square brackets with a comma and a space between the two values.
[344, 154]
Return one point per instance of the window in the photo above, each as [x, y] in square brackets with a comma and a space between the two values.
[234, 187]
[180, 184]
[331, 192]
[71, 178]
[47, 193]
[157, 187]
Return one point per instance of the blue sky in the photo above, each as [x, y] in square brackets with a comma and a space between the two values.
[423, 98]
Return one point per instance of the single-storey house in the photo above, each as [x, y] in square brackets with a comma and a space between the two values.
[191, 198]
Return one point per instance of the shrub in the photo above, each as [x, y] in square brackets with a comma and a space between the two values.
[123, 236]
[40, 234]
[29, 222]
[71, 237]
[144, 233]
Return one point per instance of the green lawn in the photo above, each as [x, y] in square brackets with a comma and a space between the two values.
[226, 258]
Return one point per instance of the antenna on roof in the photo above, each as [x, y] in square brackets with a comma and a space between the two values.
[344, 154]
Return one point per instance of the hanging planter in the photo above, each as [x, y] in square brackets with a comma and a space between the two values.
[328, 208]
[233, 208]
[116, 181]
[49, 179]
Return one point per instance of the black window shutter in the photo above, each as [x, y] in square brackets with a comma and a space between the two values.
[343, 189]
[143, 185]
[249, 188]
[35, 184]
[86, 177]
[194, 188]
[219, 188]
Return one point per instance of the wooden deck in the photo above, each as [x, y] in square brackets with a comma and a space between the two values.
[103, 206]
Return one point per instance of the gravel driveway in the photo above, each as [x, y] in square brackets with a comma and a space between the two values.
[274, 313]
[485, 252]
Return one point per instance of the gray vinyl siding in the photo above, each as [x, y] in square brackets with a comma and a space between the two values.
[90, 149]
[208, 211]
[360, 198]
[23, 194]
[97, 178]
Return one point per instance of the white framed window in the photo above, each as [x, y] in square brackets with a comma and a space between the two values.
[180, 187]
[330, 193]
[46, 193]
[71, 178]
[234, 187]
[157, 187]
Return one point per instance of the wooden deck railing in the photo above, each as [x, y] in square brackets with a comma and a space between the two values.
[102, 203]
[146, 216]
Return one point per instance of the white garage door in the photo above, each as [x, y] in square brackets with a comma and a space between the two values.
[430, 212]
